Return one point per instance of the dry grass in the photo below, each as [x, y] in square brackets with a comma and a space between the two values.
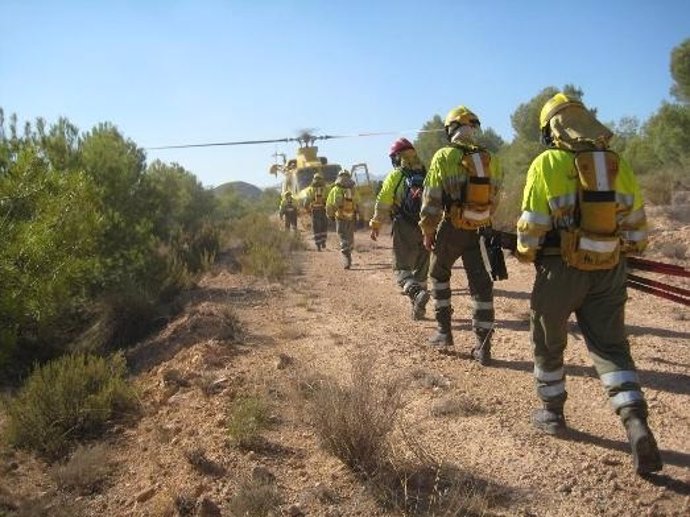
[353, 421]
[461, 405]
[257, 499]
[84, 472]
[674, 250]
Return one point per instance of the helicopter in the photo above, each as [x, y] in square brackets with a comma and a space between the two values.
[298, 172]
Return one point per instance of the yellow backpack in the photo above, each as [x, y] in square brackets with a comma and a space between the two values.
[474, 210]
[595, 243]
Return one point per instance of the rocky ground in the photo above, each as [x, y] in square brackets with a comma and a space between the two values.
[239, 335]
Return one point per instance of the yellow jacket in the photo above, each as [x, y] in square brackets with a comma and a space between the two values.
[445, 183]
[549, 202]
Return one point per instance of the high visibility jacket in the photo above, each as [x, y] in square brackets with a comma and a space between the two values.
[549, 204]
[445, 184]
[315, 196]
[342, 200]
[389, 198]
[287, 206]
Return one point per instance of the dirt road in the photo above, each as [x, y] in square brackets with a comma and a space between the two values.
[475, 418]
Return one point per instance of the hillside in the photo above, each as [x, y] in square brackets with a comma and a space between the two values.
[243, 188]
[241, 336]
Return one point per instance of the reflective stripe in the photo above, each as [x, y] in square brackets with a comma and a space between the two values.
[552, 390]
[536, 218]
[482, 324]
[599, 246]
[476, 216]
[562, 201]
[624, 398]
[600, 171]
[634, 235]
[528, 241]
[625, 199]
[441, 303]
[544, 376]
[483, 306]
[438, 286]
[478, 165]
[619, 378]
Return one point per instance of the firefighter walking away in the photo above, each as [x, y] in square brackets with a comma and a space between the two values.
[341, 207]
[400, 200]
[582, 212]
[459, 197]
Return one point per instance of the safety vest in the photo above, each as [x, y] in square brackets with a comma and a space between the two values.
[319, 197]
[347, 209]
[473, 210]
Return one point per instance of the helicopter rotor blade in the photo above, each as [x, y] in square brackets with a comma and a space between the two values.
[287, 140]
[217, 144]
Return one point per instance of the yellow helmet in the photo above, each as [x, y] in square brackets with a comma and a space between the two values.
[462, 116]
[555, 104]
[287, 194]
[344, 172]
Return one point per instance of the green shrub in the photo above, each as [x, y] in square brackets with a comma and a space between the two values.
[267, 249]
[72, 398]
[248, 417]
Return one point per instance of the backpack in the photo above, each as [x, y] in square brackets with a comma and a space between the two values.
[473, 210]
[413, 187]
[594, 244]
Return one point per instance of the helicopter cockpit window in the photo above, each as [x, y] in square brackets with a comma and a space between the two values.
[304, 177]
[330, 172]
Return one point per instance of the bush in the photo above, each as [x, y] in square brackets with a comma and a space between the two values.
[248, 417]
[267, 249]
[354, 421]
[71, 398]
[84, 472]
[257, 499]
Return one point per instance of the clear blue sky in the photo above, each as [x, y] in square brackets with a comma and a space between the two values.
[173, 72]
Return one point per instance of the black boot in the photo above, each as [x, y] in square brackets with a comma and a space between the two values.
[481, 352]
[443, 337]
[346, 260]
[419, 297]
[549, 420]
[645, 452]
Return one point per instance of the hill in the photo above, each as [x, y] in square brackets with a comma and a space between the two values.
[241, 187]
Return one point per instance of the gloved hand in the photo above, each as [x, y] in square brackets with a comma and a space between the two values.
[374, 233]
[430, 242]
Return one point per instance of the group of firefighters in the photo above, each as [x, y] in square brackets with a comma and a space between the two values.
[582, 212]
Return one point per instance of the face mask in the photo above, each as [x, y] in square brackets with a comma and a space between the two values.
[466, 133]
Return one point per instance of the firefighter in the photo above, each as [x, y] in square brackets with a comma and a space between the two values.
[459, 197]
[315, 203]
[288, 211]
[341, 207]
[582, 212]
[400, 199]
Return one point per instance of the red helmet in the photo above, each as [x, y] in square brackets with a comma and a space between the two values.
[400, 145]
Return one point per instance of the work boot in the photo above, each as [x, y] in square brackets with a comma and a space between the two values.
[419, 297]
[318, 246]
[443, 337]
[481, 352]
[346, 260]
[646, 457]
[550, 421]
